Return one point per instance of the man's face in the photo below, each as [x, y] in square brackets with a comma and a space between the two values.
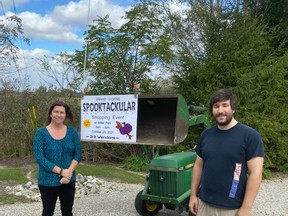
[222, 112]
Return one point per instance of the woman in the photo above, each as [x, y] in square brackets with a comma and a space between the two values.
[57, 150]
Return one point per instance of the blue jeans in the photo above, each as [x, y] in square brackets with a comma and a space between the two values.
[49, 195]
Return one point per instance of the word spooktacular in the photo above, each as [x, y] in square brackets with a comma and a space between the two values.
[109, 106]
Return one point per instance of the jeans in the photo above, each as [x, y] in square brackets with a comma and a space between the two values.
[49, 195]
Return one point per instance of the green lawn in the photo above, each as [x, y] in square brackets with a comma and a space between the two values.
[13, 176]
[110, 172]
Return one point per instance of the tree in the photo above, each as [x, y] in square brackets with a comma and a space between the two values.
[11, 31]
[239, 56]
[230, 47]
[209, 45]
[61, 72]
[274, 13]
[115, 58]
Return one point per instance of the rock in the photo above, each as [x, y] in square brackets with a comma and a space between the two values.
[85, 186]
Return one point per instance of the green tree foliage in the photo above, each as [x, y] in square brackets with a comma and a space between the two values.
[239, 56]
[223, 44]
[263, 100]
[204, 44]
[208, 45]
[118, 58]
[274, 13]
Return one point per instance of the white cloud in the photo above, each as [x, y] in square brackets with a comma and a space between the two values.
[64, 24]
[26, 67]
[76, 13]
[34, 54]
[67, 23]
[46, 28]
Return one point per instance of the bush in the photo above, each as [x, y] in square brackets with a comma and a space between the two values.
[22, 113]
[136, 163]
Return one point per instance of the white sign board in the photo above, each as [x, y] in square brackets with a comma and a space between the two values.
[109, 118]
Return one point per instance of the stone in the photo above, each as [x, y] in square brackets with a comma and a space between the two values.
[85, 186]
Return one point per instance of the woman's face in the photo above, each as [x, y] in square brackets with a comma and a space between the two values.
[58, 114]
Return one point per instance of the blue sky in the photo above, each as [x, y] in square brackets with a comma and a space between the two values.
[40, 17]
[55, 26]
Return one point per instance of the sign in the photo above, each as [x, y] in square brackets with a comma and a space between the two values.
[109, 118]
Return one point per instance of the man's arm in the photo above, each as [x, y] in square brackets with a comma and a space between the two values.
[195, 182]
[255, 167]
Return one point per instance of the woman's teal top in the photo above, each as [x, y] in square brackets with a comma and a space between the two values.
[50, 152]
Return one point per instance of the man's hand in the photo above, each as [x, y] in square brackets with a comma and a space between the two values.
[244, 212]
[193, 204]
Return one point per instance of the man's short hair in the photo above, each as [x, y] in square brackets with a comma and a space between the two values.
[223, 95]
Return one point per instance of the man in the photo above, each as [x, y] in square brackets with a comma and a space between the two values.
[228, 169]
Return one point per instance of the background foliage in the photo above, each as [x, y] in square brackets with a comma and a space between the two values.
[196, 47]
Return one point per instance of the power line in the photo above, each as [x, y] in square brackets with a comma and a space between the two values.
[2, 7]
[86, 48]
[14, 7]
[18, 70]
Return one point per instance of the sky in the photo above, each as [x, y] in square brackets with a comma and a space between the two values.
[55, 26]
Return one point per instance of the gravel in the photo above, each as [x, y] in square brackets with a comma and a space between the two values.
[272, 200]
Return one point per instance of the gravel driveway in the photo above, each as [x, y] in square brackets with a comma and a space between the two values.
[272, 200]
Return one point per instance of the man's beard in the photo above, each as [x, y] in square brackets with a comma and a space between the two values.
[226, 122]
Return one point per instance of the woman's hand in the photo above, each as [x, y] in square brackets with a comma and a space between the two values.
[66, 173]
[64, 180]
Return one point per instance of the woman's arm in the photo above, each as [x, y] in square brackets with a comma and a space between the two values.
[67, 173]
[38, 150]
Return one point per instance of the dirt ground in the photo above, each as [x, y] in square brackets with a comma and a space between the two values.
[16, 162]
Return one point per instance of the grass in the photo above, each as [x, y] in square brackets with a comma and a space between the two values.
[110, 172]
[10, 199]
[13, 174]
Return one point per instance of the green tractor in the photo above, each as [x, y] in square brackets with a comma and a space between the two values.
[164, 120]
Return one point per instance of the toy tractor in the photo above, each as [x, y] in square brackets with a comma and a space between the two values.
[164, 120]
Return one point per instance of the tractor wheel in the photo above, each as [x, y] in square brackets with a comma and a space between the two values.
[146, 208]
